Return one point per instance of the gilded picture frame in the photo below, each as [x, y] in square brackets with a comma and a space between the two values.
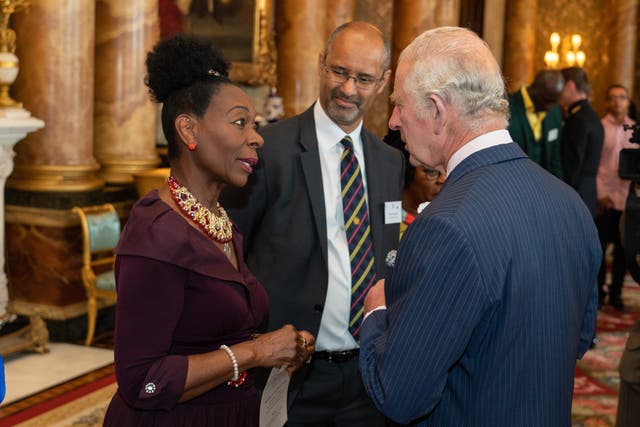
[243, 30]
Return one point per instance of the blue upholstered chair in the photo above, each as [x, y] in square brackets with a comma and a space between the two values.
[100, 234]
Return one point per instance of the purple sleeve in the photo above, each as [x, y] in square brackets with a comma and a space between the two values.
[150, 301]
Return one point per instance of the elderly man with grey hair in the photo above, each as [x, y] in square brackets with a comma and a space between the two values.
[492, 295]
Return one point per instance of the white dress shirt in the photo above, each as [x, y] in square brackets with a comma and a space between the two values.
[334, 332]
[481, 142]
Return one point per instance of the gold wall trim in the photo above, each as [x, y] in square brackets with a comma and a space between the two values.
[122, 172]
[50, 311]
[59, 218]
[8, 64]
[55, 178]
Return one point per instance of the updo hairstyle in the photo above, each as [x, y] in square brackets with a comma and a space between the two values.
[184, 73]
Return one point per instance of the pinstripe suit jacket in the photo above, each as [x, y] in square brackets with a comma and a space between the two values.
[492, 299]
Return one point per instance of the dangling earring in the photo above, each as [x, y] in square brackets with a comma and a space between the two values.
[191, 146]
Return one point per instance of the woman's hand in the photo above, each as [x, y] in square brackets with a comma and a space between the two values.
[285, 347]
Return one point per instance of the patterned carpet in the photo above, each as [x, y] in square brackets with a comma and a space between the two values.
[78, 402]
[596, 382]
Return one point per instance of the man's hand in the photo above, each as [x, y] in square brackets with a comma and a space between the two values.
[375, 297]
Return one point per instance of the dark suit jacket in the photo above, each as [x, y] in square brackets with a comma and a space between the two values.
[545, 152]
[283, 217]
[492, 298]
[582, 139]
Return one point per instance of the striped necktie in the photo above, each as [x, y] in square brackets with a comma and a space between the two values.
[356, 224]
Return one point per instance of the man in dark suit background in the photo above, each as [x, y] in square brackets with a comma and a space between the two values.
[294, 225]
[582, 137]
[493, 294]
[535, 119]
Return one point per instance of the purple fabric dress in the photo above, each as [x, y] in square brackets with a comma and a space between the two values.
[178, 295]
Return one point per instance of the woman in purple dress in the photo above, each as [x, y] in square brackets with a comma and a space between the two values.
[189, 312]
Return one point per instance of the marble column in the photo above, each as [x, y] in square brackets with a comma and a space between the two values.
[413, 17]
[623, 42]
[519, 46]
[14, 126]
[301, 26]
[125, 117]
[493, 26]
[339, 12]
[55, 45]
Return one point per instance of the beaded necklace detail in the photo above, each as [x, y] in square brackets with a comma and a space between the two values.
[217, 228]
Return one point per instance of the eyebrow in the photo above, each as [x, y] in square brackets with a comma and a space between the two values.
[238, 107]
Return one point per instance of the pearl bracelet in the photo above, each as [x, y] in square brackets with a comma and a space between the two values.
[236, 371]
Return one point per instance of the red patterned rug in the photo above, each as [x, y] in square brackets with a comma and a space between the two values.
[78, 402]
[596, 381]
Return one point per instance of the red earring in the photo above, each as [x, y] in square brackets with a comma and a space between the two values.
[191, 147]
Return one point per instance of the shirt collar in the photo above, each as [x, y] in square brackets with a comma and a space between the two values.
[329, 133]
[481, 142]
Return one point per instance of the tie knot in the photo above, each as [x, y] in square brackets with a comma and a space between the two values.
[347, 143]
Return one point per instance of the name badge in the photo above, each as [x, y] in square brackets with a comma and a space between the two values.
[393, 212]
[552, 135]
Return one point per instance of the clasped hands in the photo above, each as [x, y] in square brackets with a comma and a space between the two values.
[286, 347]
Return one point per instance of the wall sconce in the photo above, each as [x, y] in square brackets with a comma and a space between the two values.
[573, 56]
[552, 57]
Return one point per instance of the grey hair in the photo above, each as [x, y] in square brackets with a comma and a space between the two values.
[456, 65]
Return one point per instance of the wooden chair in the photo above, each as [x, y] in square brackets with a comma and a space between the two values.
[100, 234]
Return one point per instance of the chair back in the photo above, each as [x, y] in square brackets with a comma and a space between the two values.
[100, 230]
[100, 234]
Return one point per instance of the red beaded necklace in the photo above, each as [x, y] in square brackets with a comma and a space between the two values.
[218, 227]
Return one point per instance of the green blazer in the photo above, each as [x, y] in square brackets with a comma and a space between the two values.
[545, 152]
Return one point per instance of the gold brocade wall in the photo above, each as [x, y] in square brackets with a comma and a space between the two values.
[589, 18]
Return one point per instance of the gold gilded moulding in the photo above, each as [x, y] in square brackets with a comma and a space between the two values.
[124, 171]
[52, 312]
[56, 218]
[55, 178]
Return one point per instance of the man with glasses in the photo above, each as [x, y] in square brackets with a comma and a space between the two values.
[613, 191]
[321, 215]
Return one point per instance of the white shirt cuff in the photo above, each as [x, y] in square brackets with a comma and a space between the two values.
[380, 307]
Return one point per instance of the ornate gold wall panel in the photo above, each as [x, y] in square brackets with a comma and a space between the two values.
[125, 117]
[55, 45]
[590, 18]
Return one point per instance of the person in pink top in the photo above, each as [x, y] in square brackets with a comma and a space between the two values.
[613, 191]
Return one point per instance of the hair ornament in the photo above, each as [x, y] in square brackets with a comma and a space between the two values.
[213, 72]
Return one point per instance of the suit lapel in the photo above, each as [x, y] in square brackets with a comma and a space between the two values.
[310, 161]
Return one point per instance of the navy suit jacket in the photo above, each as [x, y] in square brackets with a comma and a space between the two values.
[492, 299]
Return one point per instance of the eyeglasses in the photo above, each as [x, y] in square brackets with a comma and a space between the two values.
[432, 174]
[340, 76]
